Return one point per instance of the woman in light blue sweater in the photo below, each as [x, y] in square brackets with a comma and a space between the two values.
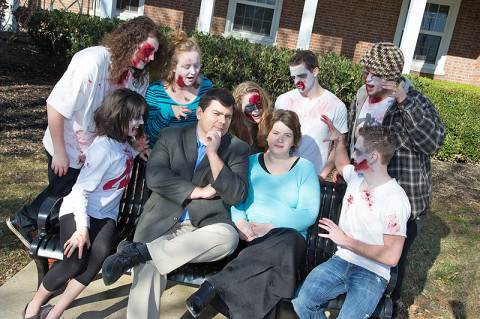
[282, 202]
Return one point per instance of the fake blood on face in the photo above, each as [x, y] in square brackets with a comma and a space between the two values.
[362, 166]
[254, 107]
[301, 85]
[180, 82]
[144, 52]
[254, 99]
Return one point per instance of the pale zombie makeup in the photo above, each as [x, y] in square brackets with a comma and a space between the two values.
[373, 83]
[360, 163]
[134, 124]
[252, 107]
[187, 69]
[145, 53]
[303, 79]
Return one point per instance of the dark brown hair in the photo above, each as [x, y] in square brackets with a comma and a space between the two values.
[179, 44]
[125, 40]
[289, 118]
[305, 56]
[223, 96]
[378, 138]
[112, 117]
[238, 127]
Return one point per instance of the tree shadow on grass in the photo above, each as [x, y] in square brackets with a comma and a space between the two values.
[422, 256]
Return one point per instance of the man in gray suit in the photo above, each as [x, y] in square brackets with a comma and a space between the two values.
[187, 217]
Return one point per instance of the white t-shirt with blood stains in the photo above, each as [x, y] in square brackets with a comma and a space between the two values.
[78, 94]
[100, 184]
[314, 131]
[373, 113]
[368, 215]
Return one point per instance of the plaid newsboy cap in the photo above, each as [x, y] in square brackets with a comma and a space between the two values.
[385, 60]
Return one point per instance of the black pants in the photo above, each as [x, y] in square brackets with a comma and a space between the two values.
[102, 234]
[57, 187]
[413, 227]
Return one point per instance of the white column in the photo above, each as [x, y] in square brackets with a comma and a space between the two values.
[306, 26]
[411, 31]
[206, 15]
[107, 8]
[9, 23]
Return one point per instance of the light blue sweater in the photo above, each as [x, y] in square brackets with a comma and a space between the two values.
[289, 200]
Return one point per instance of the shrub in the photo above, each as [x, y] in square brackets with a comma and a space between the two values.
[459, 108]
[61, 34]
[230, 61]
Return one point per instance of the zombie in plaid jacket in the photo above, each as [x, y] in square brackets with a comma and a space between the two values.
[419, 133]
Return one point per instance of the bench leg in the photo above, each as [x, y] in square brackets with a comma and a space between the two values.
[42, 268]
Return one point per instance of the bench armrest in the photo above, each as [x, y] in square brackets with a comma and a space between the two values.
[48, 212]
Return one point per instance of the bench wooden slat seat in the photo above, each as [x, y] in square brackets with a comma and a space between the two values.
[46, 245]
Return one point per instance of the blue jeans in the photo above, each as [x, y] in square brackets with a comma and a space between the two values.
[333, 278]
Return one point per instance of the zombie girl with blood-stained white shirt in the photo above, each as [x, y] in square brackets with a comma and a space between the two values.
[124, 59]
[310, 101]
[88, 214]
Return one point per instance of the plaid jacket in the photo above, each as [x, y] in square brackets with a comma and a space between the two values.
[419, 133]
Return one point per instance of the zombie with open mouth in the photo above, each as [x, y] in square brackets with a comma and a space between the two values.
[173, 101]
[390, 99]
[253, 104]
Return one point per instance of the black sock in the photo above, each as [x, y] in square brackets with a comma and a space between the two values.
[142, 248]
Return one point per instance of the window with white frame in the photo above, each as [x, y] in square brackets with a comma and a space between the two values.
[256, 20]
[435, 34]
[128, 5]
[123, 9]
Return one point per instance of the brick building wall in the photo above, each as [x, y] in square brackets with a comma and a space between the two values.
[182, 13]
[346, 27]
[61, 5]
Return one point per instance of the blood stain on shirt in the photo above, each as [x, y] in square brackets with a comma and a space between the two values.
[393, 226]
[368, 197]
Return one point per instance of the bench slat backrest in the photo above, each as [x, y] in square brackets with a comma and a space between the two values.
[320, 249]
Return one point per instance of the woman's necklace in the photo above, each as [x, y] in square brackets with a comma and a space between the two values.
[182, 92]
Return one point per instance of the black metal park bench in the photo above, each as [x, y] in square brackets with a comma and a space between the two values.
[46, 249]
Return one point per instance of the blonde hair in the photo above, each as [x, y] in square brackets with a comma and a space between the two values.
[238, 127]
[179, 44]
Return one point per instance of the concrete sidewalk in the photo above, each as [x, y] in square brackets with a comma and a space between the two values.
[97, 301]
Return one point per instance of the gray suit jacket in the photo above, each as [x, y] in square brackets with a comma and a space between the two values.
[170, 175]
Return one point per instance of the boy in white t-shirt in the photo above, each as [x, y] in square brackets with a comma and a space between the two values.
[370, 234]
[310, 101]
[92, 75]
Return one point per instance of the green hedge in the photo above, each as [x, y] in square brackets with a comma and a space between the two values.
[232, 61]
[61, 34]
[459, 108]
[229, 61]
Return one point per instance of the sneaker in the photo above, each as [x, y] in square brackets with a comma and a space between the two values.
[126, 257]
[25, 236]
